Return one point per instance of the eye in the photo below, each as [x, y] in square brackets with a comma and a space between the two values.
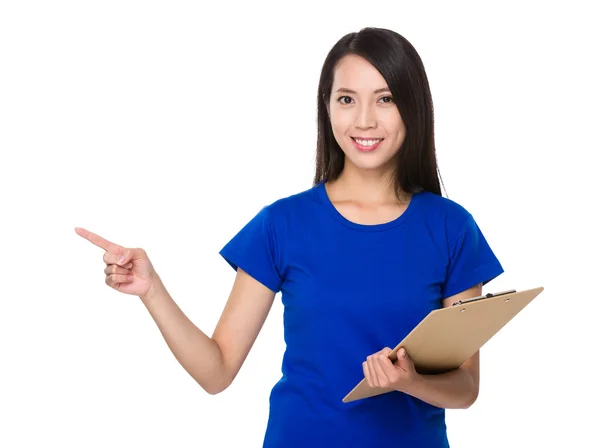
[387, 99]
[345, 99]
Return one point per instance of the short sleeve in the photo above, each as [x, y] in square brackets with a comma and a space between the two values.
[472, 261]
[254, 250]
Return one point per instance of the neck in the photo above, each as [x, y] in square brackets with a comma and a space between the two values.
[366, 186]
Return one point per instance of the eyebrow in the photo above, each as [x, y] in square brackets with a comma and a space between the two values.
[345, 90]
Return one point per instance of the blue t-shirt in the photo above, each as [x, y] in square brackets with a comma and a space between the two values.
[348, 291]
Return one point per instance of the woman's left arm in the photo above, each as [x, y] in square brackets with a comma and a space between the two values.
[457, 389]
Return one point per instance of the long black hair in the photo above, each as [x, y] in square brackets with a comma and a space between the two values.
[401, 66]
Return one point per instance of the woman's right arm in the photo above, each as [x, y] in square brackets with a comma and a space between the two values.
[214, 361]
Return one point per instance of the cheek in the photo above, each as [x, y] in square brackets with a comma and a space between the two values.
[394, 127]
[340, 124]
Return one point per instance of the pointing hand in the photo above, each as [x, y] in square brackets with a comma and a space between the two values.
[127, 270]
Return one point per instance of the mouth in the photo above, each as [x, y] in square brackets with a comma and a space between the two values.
[366, 144]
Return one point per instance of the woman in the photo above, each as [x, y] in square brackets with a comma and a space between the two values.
[360, 258]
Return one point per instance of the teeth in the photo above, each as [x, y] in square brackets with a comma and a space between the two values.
[367, 142]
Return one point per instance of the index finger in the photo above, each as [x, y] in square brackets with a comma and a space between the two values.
[98, 240]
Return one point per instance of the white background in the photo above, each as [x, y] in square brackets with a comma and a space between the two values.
[167, 125]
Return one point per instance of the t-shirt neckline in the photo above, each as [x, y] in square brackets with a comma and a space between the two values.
[322, 192]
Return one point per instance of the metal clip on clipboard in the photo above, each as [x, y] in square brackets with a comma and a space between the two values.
[485, 296]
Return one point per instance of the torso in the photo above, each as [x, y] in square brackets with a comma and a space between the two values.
[354, 278]
[357, 279]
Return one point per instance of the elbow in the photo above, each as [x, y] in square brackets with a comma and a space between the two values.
[471, 391]
[210, 391]
[214, 390]
[471, 398]
[216, 387]
[214, 380]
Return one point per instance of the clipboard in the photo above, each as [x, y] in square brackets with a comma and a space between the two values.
[447, 337]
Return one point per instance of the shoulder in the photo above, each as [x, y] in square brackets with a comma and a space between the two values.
[293, 206]
[277, 215]
[470, 259]
[436, 206]
[444, 216]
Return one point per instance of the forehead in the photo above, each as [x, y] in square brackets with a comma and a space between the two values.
[356, 73]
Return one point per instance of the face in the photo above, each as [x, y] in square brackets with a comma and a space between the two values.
[365, 120]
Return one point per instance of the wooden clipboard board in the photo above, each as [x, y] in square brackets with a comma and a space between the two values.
[447, 337]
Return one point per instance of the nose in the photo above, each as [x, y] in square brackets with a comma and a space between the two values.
[365, 118]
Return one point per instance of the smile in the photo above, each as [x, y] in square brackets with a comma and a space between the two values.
[366, 144]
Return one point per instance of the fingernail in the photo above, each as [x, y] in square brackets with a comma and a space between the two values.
[403, 353]
[121, 259]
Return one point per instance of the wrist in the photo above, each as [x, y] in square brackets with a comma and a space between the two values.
[411, 387]
[155, 289]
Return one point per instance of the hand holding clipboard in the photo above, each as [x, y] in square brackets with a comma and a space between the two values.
[447, 337]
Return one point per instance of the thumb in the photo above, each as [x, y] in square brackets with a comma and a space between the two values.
[129, 254]
[401, 361]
